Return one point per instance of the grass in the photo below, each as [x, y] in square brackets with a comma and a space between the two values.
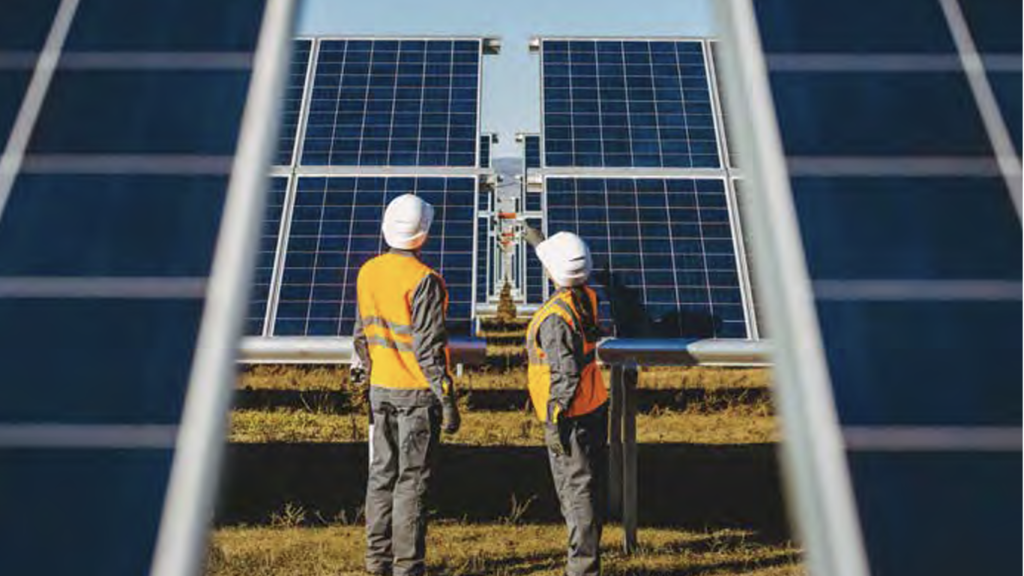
[742, 425]
[292, 377]
[504, 549]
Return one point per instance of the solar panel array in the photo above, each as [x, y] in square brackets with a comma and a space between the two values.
[645, 108]
[368, 116]
[107, 235]
[912, 243]
[631, 103]
[668, 239]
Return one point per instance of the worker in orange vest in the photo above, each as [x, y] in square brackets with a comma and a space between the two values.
[401, 341]
[569, 396]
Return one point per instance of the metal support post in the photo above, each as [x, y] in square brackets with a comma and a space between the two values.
[629, 468]
[615, 445]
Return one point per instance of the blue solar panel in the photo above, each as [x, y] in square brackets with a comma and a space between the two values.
[267, 255]
[106, 246]
[137, 225]
[531, 151]
[112, 112]
[610, 103]
[484, 249]
[13, 84]
[295, 89]
[394, 103]
[535, 281]
[915, 264]
[484, 245]
[335, 229]
[997, 38]
[667, 241]
[532, 201]
[485, 151]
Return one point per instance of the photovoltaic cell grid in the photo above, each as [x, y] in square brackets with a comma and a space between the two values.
[117, 295]
[531, 161]
[263, 276]
[484, 245]
[610, 103]
[335, 229]
[667, 241]
[917, 276]
[295, 89]
[394, 103]
[535, 279]
[485, 151]
[531, 151]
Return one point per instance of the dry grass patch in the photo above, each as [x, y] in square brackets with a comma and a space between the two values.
[320, 377]
[497, 549]
[480, 428]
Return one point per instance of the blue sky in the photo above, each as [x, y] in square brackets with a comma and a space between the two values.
[511, 98]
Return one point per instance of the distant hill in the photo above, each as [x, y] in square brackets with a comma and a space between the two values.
[508, 166]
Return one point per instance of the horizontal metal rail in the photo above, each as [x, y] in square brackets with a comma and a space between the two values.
[326, 350]
[683, 352]
[471, 352]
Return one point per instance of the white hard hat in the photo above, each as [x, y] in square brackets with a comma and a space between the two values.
[566, 258]
[406, 222]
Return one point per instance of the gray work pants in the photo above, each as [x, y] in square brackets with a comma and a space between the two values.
[578, 451]
[404, 443]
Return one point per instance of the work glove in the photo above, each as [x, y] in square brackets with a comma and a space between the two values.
[556, 430]
[532, 235]
[450, 415]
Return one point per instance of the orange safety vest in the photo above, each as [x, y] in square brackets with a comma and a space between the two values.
[385, 290]
[591, 393]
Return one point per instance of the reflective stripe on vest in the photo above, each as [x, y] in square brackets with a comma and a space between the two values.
[591, 392]
[385, 289]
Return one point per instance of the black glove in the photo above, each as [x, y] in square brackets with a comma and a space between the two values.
[450, 415]
[357, 376]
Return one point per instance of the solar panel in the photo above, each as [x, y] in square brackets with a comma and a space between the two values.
[107, 235]
[999, 46]
[335, 229]
[295, 89]
[484, 244]
[394, 103]
[531, 152]
[267, 256]
[912, 246]
[613, 103]
[532, 201]
[668, 245]
[485, 151]
[536, 283]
